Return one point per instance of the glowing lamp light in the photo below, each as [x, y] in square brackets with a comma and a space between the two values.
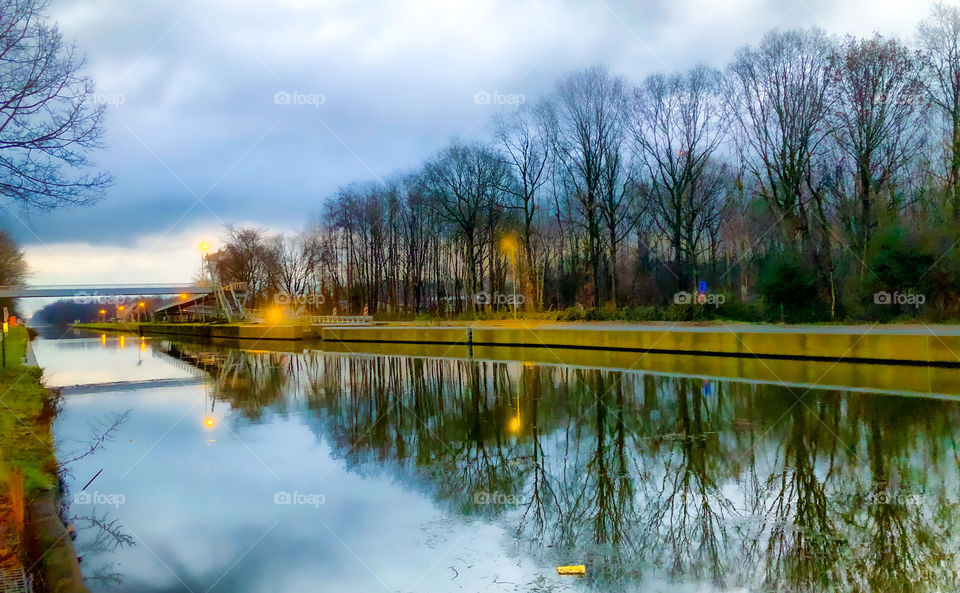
[209, 421]
[274, 314]
[183, 296]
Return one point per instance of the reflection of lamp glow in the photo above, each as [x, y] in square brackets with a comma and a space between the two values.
[209, 421]
[103, 339]
[143, 344]
[122, 343]
[515, 424]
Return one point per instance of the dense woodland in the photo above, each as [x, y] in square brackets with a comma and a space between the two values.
[810, 174]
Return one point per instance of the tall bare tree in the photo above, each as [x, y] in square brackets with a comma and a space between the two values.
[462, 182]
[780, 98]
[939, 38]
[586, 114]
[678, 127]
[876, 113]
[49, 116]
[523, 142]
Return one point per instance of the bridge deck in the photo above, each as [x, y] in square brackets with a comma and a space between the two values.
[101, 290]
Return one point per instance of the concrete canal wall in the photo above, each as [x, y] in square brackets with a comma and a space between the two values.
[234, 332]
[894, 345]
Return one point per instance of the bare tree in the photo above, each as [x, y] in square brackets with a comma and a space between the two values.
[877, 121]
[780, 99]
[939, 38]
[13, 268]
[244, 258]
[49, 118]
[586, 115]
[678, 126]
[524, 144]
[293, 259]
[462, 182]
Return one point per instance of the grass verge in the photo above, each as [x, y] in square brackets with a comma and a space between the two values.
[26, 412]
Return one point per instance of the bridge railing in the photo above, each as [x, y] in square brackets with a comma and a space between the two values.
[341, 320]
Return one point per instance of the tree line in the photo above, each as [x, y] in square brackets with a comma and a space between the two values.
[814, 177]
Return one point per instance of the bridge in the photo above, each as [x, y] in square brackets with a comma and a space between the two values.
[100, 290]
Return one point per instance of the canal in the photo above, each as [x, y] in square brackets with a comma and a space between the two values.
[202, 467]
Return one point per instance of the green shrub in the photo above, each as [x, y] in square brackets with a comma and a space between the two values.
[790, 292]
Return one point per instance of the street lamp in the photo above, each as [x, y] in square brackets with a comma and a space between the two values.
[509, 245]
[140, 307]
[203, 250]
[103, 315]
[120, 309]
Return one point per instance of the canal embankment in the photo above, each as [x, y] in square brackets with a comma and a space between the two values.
[207, 330]
[33, 537]
[922, 345]
[910, 345]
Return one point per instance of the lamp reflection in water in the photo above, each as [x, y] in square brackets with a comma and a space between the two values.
[516, 423]
[209, 420]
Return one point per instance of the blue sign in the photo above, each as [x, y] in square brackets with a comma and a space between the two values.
[703, 286]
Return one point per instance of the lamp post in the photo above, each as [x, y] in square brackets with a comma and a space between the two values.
[120, 309]
[509, 245]
[140, 308]
[203, 256]
[103, 315]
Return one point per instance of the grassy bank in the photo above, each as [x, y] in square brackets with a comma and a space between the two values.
[26, 445]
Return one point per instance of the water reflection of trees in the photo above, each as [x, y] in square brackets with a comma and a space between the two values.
[646, 476]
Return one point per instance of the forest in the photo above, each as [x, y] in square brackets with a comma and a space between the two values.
[814, 178]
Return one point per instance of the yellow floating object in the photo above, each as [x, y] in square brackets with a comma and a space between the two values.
[578, 569]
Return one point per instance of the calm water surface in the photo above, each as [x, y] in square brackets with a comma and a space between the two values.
[244, 470]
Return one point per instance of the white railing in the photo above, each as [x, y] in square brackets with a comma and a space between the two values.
[341, 320]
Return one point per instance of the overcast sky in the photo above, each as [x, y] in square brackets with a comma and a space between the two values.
[199, 136]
